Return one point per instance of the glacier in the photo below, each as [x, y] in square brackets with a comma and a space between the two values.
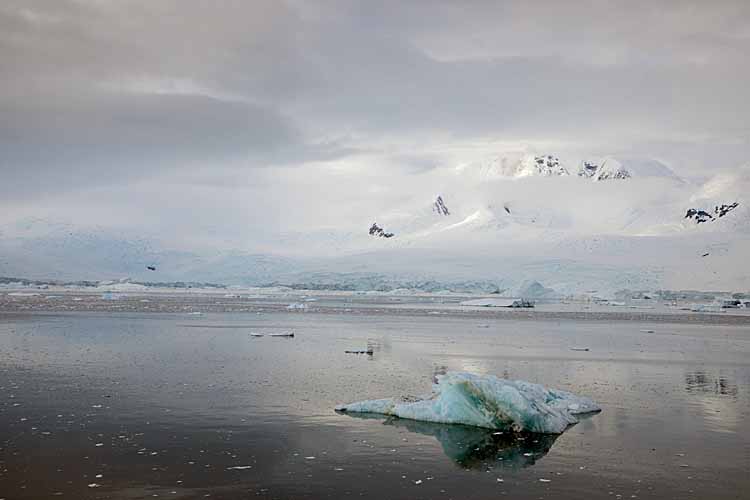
[485, 401]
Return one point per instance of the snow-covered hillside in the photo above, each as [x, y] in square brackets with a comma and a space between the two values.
[611, 168]
[515, 166]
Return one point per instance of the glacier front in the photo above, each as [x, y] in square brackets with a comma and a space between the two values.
[486, 401]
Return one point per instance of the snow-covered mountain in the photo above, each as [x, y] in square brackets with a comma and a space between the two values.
[504, 223]
[610, 168]
[515, 167]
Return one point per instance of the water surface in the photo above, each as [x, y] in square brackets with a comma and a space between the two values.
[185, 406]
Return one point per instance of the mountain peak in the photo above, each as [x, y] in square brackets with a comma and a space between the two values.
[545, 166]
[610, 168]
[517, 166]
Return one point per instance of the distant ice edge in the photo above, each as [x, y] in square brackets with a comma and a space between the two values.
[486, 401]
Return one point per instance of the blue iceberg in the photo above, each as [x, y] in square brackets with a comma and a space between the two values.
[486, 401]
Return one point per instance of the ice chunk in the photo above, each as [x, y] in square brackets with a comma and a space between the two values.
[515, 304]
[486, 401]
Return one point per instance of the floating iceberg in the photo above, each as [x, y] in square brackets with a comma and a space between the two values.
[486, 401]
[297, 305]
[520, 303]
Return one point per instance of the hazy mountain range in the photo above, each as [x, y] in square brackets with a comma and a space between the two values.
[602, 224]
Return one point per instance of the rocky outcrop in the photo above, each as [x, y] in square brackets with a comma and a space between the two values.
[379, 232]
[545, 165]
[722, 210]
[701, 216]
[439, 207]
[608, 169]
[617, 172]
[588, 170]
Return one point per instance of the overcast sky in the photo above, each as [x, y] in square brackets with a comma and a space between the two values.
[178, 113]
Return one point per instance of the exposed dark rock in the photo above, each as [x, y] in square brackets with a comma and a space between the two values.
[722, 210]
[378, 231]
[588, 170]
[439, 207]
[700, 216]
[548, 161]
[617, 174]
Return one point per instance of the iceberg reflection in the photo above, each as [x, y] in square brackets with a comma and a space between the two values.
[475, 447]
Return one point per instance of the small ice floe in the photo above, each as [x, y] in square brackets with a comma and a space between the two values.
[418, 481]
[240, 467]
[512, 303]
[485, 401]
[94, 485]
[99, 445]
[367, 351]
[707, 308]
[499, 480]
[542, 480]
[297, 305]
[584, 349]
[309, 458]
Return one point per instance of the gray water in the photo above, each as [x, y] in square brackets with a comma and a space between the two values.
[185, 406]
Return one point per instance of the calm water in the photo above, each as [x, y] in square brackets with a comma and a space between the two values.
[102, 405]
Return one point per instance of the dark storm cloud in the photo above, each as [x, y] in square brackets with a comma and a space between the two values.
[102, 91]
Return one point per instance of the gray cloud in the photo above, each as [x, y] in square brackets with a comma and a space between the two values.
[98, 92]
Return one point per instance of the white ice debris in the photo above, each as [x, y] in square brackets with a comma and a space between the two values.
[297, 305]
[486, 401]
[520, 303]
[488, 302]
